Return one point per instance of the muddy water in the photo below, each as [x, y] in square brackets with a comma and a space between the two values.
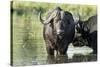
[36, 55]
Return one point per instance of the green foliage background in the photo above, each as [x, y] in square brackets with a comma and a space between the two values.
[27, 30]
[85, 11]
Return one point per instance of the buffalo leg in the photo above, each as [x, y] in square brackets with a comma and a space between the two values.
[50, 51]
[51, 59]
[63, 50]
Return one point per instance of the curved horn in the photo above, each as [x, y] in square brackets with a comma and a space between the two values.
[41, 20]
[77, 19]
[47, 21]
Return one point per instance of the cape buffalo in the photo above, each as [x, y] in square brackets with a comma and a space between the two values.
[88, 30]
[58, 31]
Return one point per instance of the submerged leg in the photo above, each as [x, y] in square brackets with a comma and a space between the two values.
[50, 50]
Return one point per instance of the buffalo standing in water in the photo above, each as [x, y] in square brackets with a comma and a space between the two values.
[58, 31]
[88, 31]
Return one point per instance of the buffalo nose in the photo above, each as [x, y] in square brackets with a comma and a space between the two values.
[60, 32]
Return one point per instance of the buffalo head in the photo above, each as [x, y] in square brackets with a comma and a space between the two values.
[60, 21]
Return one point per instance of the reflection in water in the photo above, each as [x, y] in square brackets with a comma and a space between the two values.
[57, 59]
[74, 54]
[78, 50]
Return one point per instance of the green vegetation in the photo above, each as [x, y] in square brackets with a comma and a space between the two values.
[27, 30]
[85, 11]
